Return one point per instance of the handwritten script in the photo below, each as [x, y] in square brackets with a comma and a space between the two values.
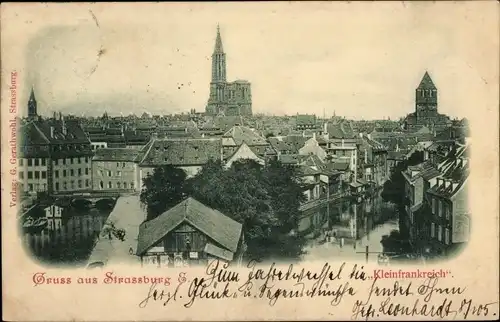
[369, 295]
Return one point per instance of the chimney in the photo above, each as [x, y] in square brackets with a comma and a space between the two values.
[52, 132]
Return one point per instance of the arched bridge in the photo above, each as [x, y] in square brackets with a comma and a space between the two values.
[94, 197]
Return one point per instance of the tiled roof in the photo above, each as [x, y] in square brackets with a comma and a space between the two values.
[122, 154]
[290, 143]
[219, 227]
[340, 130]
[243, 134]
[340, 165]
[182, 152]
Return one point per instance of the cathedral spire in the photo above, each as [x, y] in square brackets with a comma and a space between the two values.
[218, 60]
[32, 105]
[218, 43]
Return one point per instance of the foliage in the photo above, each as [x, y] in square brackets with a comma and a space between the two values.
[265, 199]
[163, 190]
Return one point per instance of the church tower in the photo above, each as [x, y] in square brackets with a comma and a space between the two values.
[426, 97]
[32, 105]
[218, 60]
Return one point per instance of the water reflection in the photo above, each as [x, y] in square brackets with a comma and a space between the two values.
[347, 218]
[66, 239]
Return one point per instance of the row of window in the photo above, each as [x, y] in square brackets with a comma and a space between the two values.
[440, 208]
[119, 185]
[109, 173]
[71, 172]
[447, 236]
[72, 185]
[98, 146]
[35, 174]
[37, 187]
[43, 162]
[427, 92]
[71, 160]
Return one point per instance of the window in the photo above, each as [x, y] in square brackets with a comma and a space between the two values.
[131, 185]
[440, 233]
[65, 185]
[447, 236]
[117, 164]
[56, 162]
[447, 212]
[30, 163]
[124, 185]
[37, 187]
[72, 184]
[99, 173]
[37, 174]
[439, 208]
[101, 184]
[72, 172]
[44, 161]
[71, 160]
[118, 185]
[86, 171]
[79, 171]
[37, 162]
[86, 182]
[57, 186]
[44, 174]
[86, 159]
[64, 161]
[21, 175]
[123, 165]
[110, 185]
[109, 173]
[119, 173]
[79, 160]
[64, 173]
[21, 162]
[433, 230]
[56, 173]
[79, 183]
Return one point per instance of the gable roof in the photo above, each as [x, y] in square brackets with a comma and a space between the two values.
[426, 82]
[181, 152]
[242, 134]
[211, 222]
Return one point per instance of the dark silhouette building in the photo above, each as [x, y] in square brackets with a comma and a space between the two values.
[426, 108]
[226, 98]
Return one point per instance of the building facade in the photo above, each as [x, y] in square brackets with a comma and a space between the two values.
[115, 169]
[227, 98]
[55, 154]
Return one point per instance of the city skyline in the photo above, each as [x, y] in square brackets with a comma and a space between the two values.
[359, 77]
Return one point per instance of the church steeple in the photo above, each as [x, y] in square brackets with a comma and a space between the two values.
[32, 105]
[426, 96]
[218, 60]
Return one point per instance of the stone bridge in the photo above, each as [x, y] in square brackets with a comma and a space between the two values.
[94, 197]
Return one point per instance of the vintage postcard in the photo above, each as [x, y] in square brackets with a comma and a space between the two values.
[250, 161]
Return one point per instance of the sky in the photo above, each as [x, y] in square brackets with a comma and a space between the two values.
[360, 60]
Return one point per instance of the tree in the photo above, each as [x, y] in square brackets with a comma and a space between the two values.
[265, 199]
[162, 190]
[110, 230]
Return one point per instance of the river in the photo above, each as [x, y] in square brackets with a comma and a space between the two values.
[67, 240]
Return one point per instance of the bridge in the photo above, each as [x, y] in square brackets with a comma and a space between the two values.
[93, 196]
